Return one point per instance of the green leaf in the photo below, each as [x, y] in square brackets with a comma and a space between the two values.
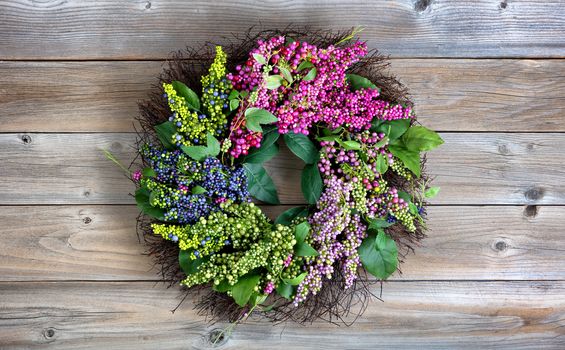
[273, 81]
[378, 224]
[142, 201]
[188, 265]
[165, 132]
[311, 74]
[413, 208]
[382, 164]
[393, 128]
[301, 231]
[286, 74]
[198, 190]
[189, 96]
[350, 145]
[431, 192]
[257, 299]
[302, 147]
[303, 65]
[261, 155]
[270, 135]
[260, 58]
[233, 94]
[304, 249]
[256, 116]
[383, 142]
[286, 217]
[198, 153]
[379, 255]
[411, 159]
[148, 172]
[260, 184]
[357, 82]
[405, 195]
[213, 145]
[223, 287]
[296, 280]
[285, 290]
[311, 183]
[419, 138]
[234, 104]
[243, 289]
[329, 138]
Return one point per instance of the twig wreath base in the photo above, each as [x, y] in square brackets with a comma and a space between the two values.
[339, 300]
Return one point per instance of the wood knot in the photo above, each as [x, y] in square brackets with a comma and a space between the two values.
[503, 5]
[217, 337]
[26, 139]
[534, 193]
[49, 333]
[87, 220]
[531, 211]
[503, 149]
[86, 194]
[501, 246]
[148, 5]
[422, 5]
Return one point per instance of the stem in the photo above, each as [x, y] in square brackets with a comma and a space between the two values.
[111, 157]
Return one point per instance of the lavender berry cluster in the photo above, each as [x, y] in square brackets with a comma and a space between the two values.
[361, 174]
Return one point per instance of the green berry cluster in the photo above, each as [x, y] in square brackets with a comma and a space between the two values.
[398, 167]
[405, 217]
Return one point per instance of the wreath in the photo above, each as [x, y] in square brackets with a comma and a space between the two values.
[219, 113]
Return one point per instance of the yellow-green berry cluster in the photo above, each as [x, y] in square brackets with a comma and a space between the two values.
[398, 167]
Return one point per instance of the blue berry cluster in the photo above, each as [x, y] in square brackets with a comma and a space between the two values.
[188, 190]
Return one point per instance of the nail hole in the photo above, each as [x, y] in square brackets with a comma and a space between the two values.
[500, 246]
[26, 139]
[534, 193]
[49, 333]
[218, 337]
[86, 193]
[503, 5]
[87, 220]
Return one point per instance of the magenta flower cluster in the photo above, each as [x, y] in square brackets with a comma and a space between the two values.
[315, 89]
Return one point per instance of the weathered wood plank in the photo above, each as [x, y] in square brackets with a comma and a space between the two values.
[450, 95]
[471, 168]
[403, 28]
[464, 243]
[423, 315]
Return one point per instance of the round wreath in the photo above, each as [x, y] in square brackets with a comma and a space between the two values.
[203, 153]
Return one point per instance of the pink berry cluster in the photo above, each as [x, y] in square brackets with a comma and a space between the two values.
[317, 90]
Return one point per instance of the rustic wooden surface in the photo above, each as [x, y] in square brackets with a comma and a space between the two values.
[489, 75]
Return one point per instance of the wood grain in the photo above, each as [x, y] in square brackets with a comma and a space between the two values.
[464, 243]
[450, 95]
[423, 315]
[145, 29]
[471, 168]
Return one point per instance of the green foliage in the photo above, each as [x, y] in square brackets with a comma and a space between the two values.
[411, 159]
[419, 138]
[382, 164]
[260, 58]
[311, 183]
[191, 98]
[357, 82]
[304, 249]
[285, 290]
[200, 153]
[311, 74]
[392, 128]
[198, 190]
[379, 255]
[304, 65]
[296, 280]
[302, 147]
[254, 117]
[261, 155]
[165, 132]
[301, 231]
[286, 217]
[148, 172]
[143, 203]
[242, 290]
[189, 266]
[273, 81]
[431, 192]
[260, 184]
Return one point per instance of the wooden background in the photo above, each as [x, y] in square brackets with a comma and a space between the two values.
[489, 75]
